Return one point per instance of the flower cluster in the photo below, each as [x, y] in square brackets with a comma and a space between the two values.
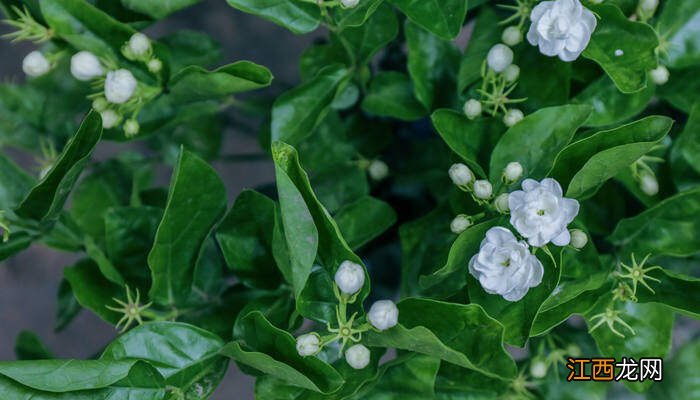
[540, 215]
[383, 314]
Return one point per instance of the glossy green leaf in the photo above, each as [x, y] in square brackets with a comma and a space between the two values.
[272, 351]
[46, 199]
[297, 16]
[196, 201]
[636, 40]
[679, 25]
[391, 95]
[29, 346]
[544, 81]
[194, 83]
[191, 48]
[16, 183]
[667, 290]
[681, 379]
[363, 220]
[67, 307]
[245, 238]
[92, 290]
[688, 142]
[355, 16]
[460, 334]
[487, 32]
[186, 356]
[668, 228]
[297, 112]
[585, 165]
[611, 106]
[412, 378]
[680, 89]
[379, 29]
[543, 133]
[471, 140]
[157, 9]
[443, 18]
[340, 185]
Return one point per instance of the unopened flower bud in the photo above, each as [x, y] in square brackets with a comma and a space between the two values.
[579, 239]
[139, 44]
[513, 171]
[499, 57]
[131, 127]
[512, 73]
[119, 86]
[350, 277]
[100, 104]
[538, 368]
[357, 356]
[648, 6]
[349, 3]
[483, 189]
[383, 315]
[110, 118]
[512, 36]
[85, 66]
[308, 344]
[573, 350]
[460, 174]
[155, 65]
[378, 170]
[512, 117]
[659, 75]
[501, 203]
[35, 64]
[649, 184]
[472, 108]
[460, 224]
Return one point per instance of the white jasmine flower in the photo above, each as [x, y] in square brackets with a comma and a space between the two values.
[119, 86]
[349, 3]
[513, 171]
[350, 277]
[660, 75]
[460, 224]
[472, 108]
[501, 203]
[512, 117]
[561, 28]
[540, 213]
[378, 170]
[512, 73]
[35, 64]
[619, 53]
[308, 344]
[155, 65]
[460, 174]
[85, 66]
[579, 239]
[383, 315]
[538, 368]
[110, 118]
[649, 184]
[139, 44]
[483, 189]
[357, 356]
[499, 57]
[505, 266]
[131, 127]
[512, 36]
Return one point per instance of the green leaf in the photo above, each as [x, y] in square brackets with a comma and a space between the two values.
[471, 140]
[355, 16]
[517, 317]
[391, 95]
[653, 325]
[191, 48]
[157, 9]
[410, 379]
[535, 141]
[678, 25]
[668, 289]
[636, 40]
[380, 29]
[544, 81]
[611, 106]
[29, 346]
[297, 16]
[460, 334]
[340, 184]
[681, 377]
[668, 228]
[272, 351]
[363, 220]
[430, 64]
[16, 183]
[688, 142]
[441, 17]
[195, 83]
[92, 290]
[67, 306]
[245, 238]
[186, 356]
[17, 242]
[196, 201]
[585, 165]
[681, 88]
[46, 199]
[297, 112]
[487, 32]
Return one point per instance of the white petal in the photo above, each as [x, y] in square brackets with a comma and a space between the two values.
[552, 186]
[530, 184]
[563, 239]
